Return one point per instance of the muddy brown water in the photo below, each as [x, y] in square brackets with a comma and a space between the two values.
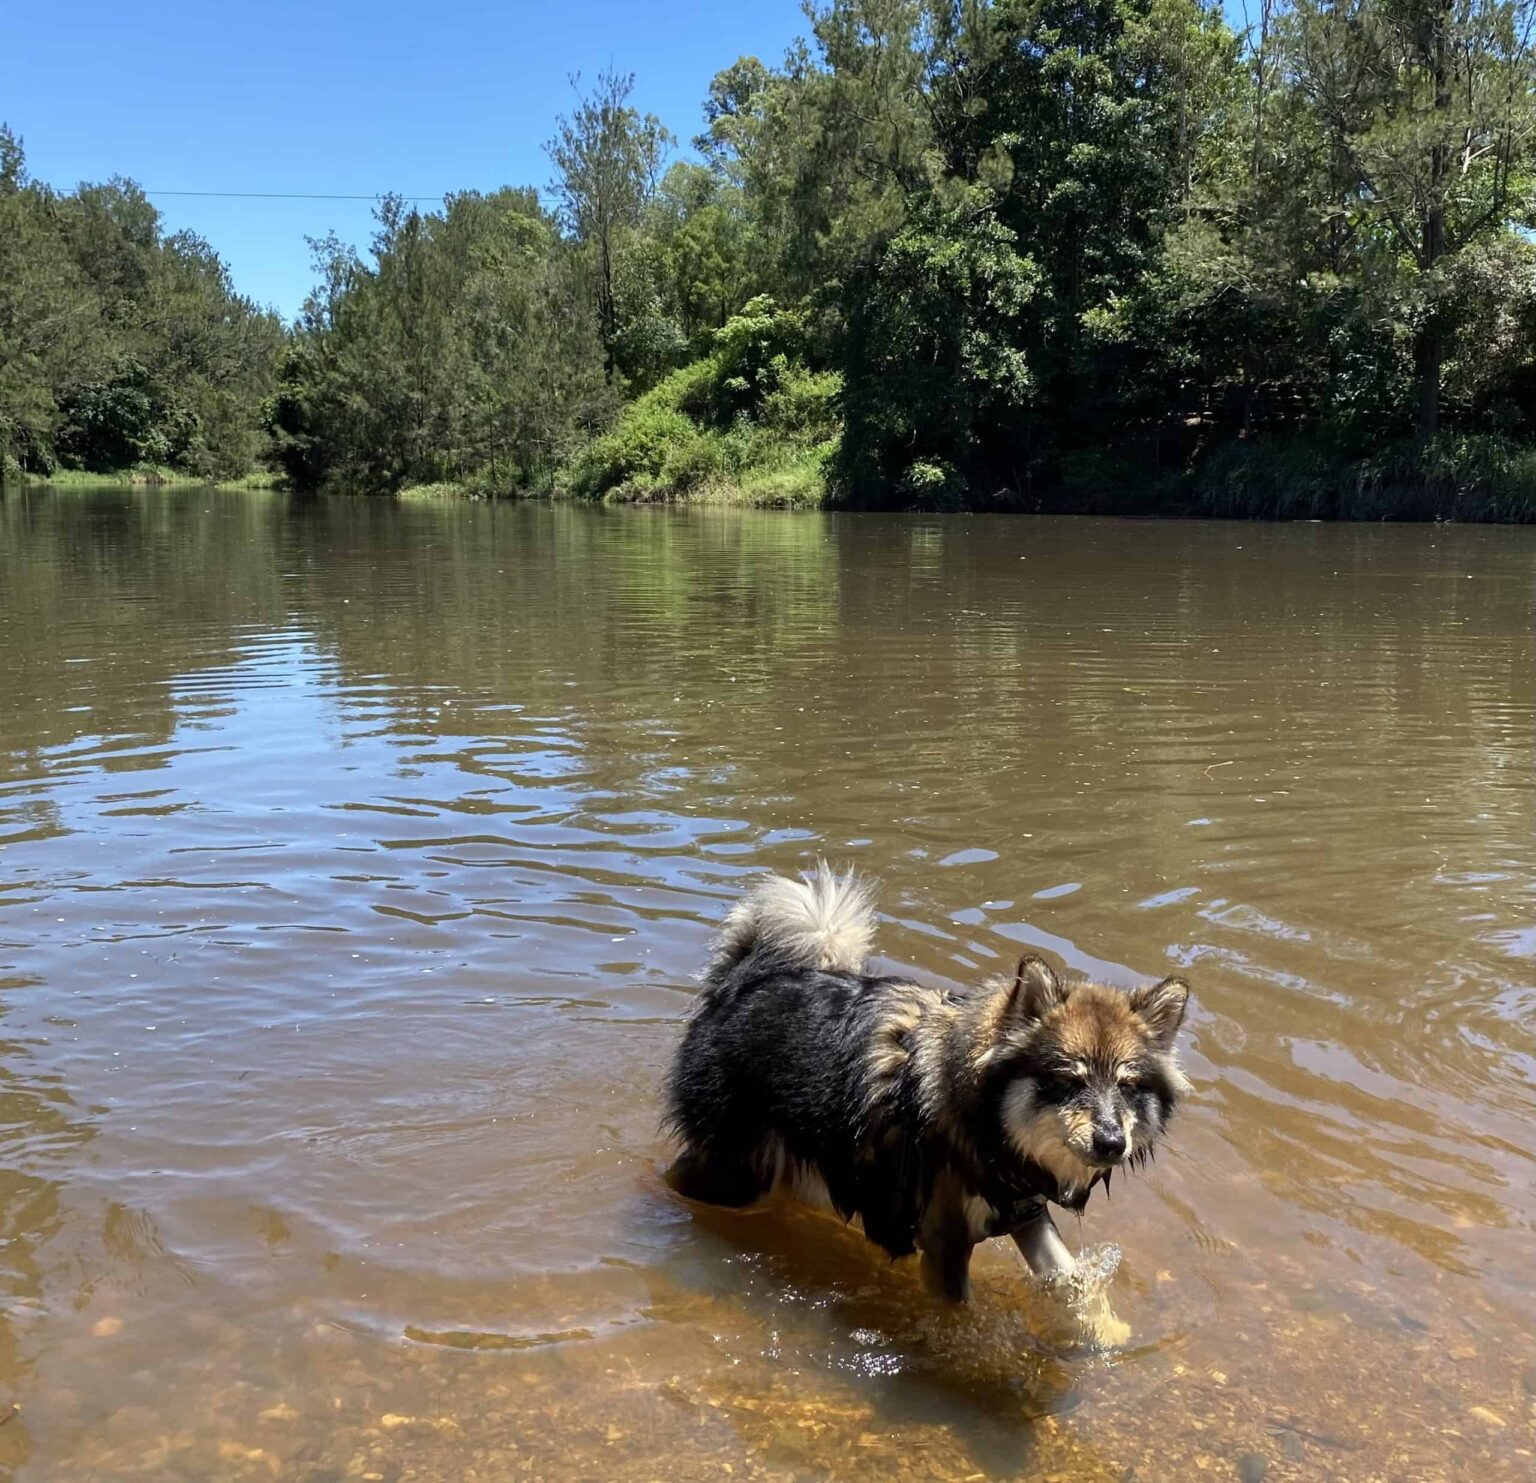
[355, 859]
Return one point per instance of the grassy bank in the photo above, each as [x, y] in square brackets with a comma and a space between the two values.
[797, 484]
[795, 479]
[749, 423]
[657, 461]
[658, 453]
[142, 476]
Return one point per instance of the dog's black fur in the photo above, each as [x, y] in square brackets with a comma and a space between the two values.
[935, 1118]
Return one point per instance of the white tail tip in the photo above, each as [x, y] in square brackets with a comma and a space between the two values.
[826, 921]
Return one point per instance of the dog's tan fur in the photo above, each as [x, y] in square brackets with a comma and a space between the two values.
[970, 1109]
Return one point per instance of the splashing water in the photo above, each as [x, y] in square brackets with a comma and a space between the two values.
[1096, 1268]
[1085, 1291]
[1082, 1295]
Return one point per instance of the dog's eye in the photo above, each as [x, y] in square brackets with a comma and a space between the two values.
[1079, 1069]
[1056, 1088]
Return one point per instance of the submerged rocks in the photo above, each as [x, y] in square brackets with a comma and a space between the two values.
[1252, 1467]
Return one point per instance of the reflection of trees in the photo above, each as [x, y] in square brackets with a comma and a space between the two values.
[107, 596]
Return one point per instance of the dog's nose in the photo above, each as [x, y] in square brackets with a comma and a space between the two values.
[1108, 1144]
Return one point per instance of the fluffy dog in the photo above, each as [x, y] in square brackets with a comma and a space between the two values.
[937, 1118]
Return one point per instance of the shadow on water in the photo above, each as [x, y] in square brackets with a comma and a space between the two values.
[822, 1299]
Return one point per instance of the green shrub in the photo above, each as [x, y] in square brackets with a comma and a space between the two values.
[1273, 479]
[931, 484]
[750, 413]
[694, 459]
[634, 448]
[795, 482]
[1453, 477]
[804, 403]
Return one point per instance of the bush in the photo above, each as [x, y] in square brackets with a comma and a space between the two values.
[694, 459]
[931, 484]
[749, 413]
[804, 403]
[1272, 479]
[633, 450]
[794, 483]
[122, 422]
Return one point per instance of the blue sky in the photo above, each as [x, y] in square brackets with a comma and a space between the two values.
[340, 98]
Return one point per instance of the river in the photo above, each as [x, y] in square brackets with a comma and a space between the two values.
[355, 859]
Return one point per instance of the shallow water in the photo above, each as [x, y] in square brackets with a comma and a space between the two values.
[354, 860]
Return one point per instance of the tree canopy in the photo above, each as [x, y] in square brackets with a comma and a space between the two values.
[993, 253]
[121, 344]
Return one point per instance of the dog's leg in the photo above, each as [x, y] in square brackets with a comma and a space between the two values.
[944, 1235]
[1049, 1259]
[1040, 1244]
[714, 1180]
[947, 1268]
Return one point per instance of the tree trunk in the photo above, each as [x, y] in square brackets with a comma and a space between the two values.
[607, 313]
[1265, 10]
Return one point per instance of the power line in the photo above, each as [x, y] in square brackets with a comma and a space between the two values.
[299, 195]
[285, 196]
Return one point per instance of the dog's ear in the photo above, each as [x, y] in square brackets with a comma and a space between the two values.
[1036, 990]
[1160, 1007]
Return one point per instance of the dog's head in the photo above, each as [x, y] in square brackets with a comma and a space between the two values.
[1089, 1075]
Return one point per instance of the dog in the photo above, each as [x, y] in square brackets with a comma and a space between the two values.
[936, 1118]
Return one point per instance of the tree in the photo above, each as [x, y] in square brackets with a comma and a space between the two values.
[609, 160]
[120, 343]
[49, 316]
[1430, 110]
[465, 350]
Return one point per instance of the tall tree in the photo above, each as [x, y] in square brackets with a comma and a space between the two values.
[608, 158]
[1430, 107]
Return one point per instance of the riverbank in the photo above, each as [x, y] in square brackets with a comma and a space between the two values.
[141, 476]
[788, 487]
[1477, 479]
[1467, 479]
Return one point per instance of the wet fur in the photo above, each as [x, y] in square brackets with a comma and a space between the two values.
[938, 1119]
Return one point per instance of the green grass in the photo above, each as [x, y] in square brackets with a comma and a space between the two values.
[263, 479]
[442, 489]
[143, 476]
[795, 482]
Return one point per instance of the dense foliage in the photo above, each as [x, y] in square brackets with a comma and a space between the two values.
[748, 419]
[961, 254]
[466, 350]
[121, 345]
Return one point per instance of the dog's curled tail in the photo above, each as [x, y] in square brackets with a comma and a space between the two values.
[826, 921]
